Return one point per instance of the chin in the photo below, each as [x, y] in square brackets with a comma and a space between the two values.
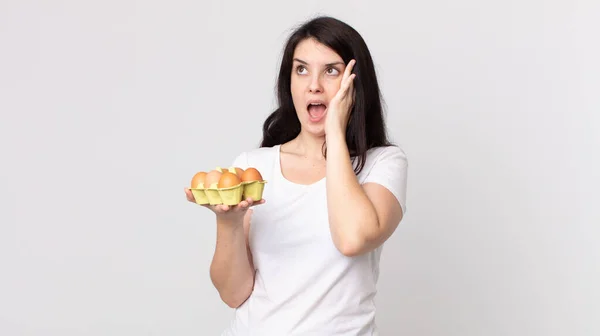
[314, 130]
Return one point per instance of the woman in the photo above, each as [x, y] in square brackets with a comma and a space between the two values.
[306, 261]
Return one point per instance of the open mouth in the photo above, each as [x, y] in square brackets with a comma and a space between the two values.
[316, 110]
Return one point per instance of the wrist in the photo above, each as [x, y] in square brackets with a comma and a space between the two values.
[335, 135]
[229, 221]
[335, 130]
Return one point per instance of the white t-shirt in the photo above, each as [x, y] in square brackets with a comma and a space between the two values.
[303, 284]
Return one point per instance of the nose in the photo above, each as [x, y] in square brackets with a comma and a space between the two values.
[314, 86]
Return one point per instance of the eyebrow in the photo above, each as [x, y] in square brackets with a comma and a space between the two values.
[328, 64]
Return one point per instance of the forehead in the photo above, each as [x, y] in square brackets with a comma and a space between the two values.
[312, 51]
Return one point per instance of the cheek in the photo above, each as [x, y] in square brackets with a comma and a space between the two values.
[297, 87]
[296, 94]
[333, 86]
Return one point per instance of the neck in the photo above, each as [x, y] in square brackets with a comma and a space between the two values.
[307, 145]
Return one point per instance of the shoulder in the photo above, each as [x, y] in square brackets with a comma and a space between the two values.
[388, 167]
[384, 156]
[383, 152]
[261, 154]
[259, 158]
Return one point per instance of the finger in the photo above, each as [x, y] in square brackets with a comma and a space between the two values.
[253, 203]
[349, 83]
[189, 195]
[209, 207]
[243, 205]
[216, 208]
[349, 68]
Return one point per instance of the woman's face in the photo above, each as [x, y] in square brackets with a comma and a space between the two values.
[317, 73]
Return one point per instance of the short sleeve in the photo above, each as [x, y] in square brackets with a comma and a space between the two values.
[240, 161]
[390, 169]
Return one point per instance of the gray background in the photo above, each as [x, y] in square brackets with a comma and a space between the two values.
[109, 108]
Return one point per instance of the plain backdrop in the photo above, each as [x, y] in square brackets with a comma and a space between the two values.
[109, 107]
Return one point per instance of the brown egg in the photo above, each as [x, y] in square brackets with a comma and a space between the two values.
[239, 172]
[251, 174]
[211, 178]
[197, 179]
[228, 179]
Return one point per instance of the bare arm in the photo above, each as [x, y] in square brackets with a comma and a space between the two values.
[360, 217]
[232, 270]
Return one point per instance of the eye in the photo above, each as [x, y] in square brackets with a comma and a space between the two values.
[300, 69]
[332, 71]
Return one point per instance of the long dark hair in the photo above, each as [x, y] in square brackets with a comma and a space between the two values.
[366, 127]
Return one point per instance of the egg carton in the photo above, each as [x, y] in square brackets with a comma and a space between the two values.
[228, 196]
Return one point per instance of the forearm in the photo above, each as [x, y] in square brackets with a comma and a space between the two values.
[352, 217]
[230, 270]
